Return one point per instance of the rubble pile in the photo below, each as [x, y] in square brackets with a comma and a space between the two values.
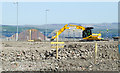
[73, 57]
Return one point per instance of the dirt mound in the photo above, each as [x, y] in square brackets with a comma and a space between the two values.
[25, 35]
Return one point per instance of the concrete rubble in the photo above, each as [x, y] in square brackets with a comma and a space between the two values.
[75, 56]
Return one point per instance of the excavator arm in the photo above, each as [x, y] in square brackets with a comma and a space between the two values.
[66, 27]
[60, 31]
[86, 35]
[77, 27]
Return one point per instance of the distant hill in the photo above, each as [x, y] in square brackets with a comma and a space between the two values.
[8, 30]
[96, 26]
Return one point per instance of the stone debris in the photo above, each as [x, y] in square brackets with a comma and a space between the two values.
[73, 57]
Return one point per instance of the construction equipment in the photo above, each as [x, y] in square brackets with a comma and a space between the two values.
[86, 34]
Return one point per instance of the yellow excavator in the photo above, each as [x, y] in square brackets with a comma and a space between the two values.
[86, 34]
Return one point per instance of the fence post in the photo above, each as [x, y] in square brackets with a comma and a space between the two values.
[57, 48]
[95, 51]
[30, 34]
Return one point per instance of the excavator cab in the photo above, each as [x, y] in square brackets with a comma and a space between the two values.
[88, 35]
[87, 32]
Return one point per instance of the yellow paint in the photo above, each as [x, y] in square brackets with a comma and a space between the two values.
[91, 37]
[57, 45]
[57, 48]
[95, 51]
[30, 40]
[66, 27]
[57, 42]
[30, 33]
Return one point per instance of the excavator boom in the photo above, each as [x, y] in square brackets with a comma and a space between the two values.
[78, 27]
[60, 31]
[66, 27]
[87, 33]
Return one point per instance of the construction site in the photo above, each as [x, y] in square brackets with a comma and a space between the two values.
[46, 40]
[33, 51]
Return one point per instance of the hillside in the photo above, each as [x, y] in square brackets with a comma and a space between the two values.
[9, 30]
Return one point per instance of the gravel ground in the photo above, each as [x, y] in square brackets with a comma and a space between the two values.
[75, 56]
